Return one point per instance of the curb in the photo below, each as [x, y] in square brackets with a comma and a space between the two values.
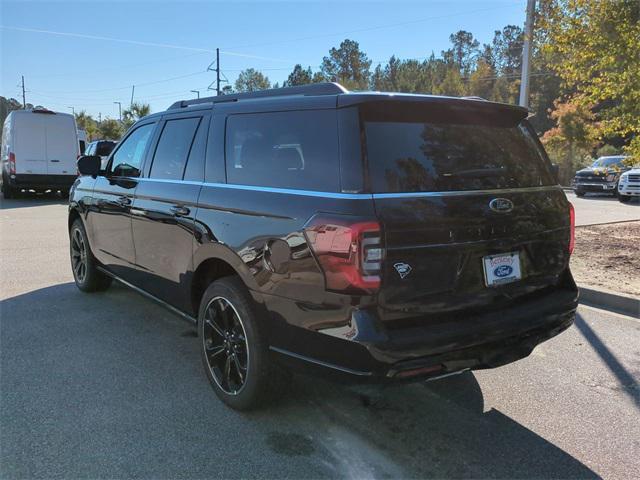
[615, 302]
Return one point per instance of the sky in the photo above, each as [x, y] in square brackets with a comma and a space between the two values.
[87, 55]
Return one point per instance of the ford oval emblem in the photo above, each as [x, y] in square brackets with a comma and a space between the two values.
[503, 271]
[501, 205]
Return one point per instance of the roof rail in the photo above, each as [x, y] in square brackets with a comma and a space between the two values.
[311, 89]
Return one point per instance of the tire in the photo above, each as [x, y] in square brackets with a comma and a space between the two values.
[234, 349]
[579, 193]
[83, 264]
[624, 198]
[8, 191]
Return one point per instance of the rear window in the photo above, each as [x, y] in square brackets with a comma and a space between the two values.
[297, 150]
[173, 148]
[422, 151]
[104, 149]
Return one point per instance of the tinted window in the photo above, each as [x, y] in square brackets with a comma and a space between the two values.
[416, 156]
[173, 148]
[82, 146]
[128, 158]
[195, 163]
[285, 149]
[104, 148]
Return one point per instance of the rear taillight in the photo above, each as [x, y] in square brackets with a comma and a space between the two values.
[12, 163]
[572, 228]
[349, 252]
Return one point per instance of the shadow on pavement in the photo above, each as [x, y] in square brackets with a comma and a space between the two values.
[30, 199]
[111, 385]
[628, 383]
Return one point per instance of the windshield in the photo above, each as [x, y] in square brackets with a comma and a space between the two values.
[471, 152]
[609, 162]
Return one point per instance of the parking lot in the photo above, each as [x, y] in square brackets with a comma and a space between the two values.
[111, 385]
[597, 208]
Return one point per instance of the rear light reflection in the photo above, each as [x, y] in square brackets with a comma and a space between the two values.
[572, 228]
[349, 252]
[12, 163]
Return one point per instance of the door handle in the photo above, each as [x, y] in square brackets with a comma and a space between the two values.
[180, 211]
[124, 201]
[55, 161]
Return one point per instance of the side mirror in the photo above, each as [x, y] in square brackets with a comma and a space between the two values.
[89, 165]
[555, 168]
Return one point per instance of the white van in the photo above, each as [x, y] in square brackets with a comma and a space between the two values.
[39, 151]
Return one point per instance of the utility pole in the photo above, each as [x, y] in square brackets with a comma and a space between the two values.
[217, 71]
[24, 99]
[197, 92]
[133, 89]
[119, 110]
[73, 110]
[526, 53]
[99, 117]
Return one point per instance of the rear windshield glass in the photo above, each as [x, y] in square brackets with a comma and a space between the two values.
[104, 149]
[446, 151]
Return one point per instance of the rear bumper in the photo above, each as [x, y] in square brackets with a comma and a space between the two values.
[364, 350]
[23, 180]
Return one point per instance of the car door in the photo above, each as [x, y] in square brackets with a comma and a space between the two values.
[110, 215]
[62, 144]
[165, 205]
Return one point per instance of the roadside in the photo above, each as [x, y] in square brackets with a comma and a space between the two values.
[604, 257]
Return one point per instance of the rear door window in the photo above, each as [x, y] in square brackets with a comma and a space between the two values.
[295, 149]
[423, 153]
[173, 148]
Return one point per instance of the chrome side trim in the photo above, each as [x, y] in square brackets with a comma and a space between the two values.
[144, 293]
[321, 363]
[355, 196]
[460, 193]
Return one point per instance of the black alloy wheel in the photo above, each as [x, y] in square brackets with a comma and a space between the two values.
[225, 345]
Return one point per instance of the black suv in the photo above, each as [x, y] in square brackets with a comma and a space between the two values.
[372, 236]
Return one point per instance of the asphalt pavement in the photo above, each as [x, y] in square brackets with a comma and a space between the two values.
[111, 385]
[596, 208]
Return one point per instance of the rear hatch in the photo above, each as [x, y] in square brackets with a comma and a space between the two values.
[471, 215]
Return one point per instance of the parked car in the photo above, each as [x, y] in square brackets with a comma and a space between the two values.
[629, 185]
[369, 236]
[101, 148]
[39, 151]
[601, 177]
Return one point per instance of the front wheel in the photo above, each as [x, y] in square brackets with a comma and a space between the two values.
[234, 349]
[624, 198]
[579, 193]
[8, 191]
[83, 264]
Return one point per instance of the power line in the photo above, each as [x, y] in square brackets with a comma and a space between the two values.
[367, 29]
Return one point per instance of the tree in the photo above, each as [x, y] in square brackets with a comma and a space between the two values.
[506, 50]
[299, 76]
[251, 80]
[573, 139]
[464, 51]
[481, 80]
[134, 113]
[110, 129]
[347, 65]
[7, 105]
[86, 122]
[596, 45]
[452, 84]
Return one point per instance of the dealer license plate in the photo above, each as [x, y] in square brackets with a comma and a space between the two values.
[502, 268]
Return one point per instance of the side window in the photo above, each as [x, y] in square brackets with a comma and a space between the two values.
[195, 163]
[128, 158]
[104, 148]
[173, 148]
[297, 149]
